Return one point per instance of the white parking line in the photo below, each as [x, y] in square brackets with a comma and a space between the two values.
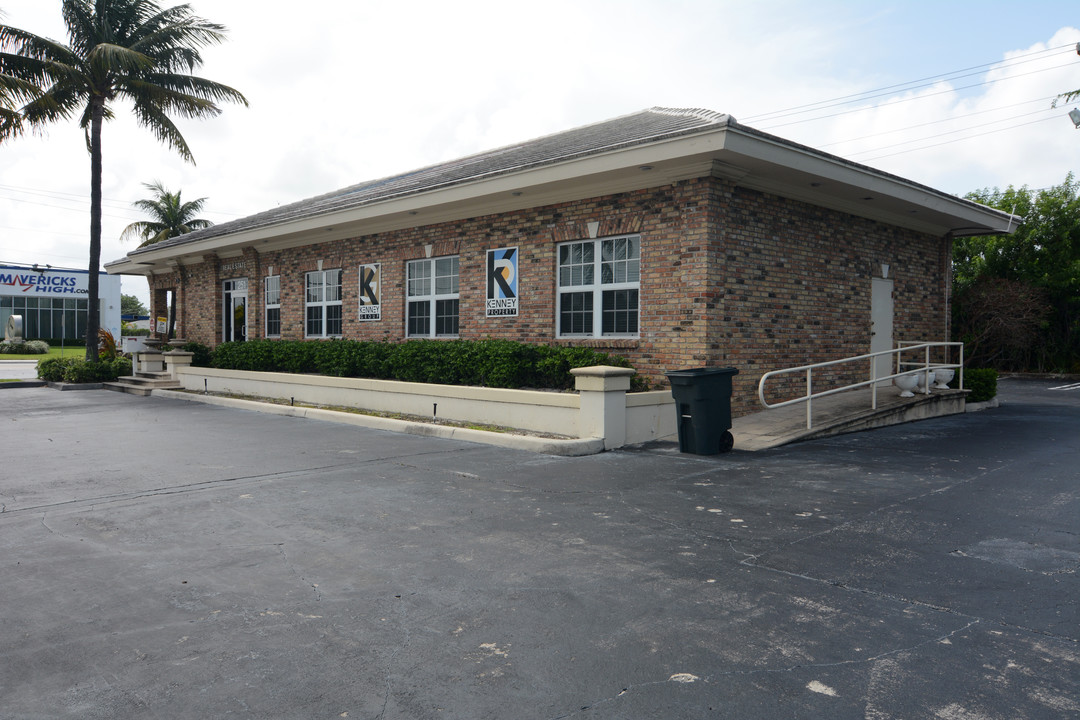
[1074, 386]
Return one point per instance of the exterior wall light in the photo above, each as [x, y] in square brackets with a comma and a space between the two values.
[1074, 115]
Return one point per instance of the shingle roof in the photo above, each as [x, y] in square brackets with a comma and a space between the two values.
[646, 126]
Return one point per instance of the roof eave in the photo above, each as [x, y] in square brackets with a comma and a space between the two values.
[747, 157]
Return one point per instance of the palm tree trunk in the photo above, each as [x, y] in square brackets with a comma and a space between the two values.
[93, 304]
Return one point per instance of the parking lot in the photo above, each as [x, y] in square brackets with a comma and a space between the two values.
[165, 559]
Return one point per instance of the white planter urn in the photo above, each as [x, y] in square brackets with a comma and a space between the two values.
[943, 376]
[925, 379]
[906, 383]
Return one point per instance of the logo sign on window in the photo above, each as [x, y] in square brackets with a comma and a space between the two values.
[502, 282]
[370, 292]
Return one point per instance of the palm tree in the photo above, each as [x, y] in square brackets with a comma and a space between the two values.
[118, 49]
[170, 216]
[13, 92]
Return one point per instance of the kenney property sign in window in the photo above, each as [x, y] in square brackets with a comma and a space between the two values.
[370, 292]
[502, 282]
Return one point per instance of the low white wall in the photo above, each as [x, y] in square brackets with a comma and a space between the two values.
[649, 416]
[549, 412]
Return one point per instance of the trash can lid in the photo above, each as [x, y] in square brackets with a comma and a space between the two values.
[698, 372]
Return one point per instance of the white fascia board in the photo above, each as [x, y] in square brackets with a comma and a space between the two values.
[604, 173]
[961, 214]
[751, 160]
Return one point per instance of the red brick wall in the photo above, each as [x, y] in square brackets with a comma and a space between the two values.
[729, 276]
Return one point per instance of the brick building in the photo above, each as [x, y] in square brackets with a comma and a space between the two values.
[674, 237]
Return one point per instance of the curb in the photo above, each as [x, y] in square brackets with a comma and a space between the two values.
[22, 384]
[547, 446]
[74, 386]
[985, 405]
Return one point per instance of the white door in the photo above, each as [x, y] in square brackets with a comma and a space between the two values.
[881, 325]
[234, 310]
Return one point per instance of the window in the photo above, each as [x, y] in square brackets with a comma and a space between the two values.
[323, 304]
[598, 287]
[433, 297]
[272, 297]
[48, 318]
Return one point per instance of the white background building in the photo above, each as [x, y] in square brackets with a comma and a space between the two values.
[53, 301]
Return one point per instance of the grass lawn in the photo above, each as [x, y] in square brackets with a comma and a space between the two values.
[54, 352]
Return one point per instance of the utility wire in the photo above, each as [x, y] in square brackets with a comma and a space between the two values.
[956, 132]
[132, 216]
[877, 92]
[947, 142]
[914, 98]
[944, 120]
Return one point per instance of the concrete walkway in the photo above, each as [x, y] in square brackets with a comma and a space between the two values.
[18, 369]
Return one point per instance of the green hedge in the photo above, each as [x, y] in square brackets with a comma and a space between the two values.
[24, 347]
[201, 353]
[77, 370]
[490, 362]
[982, 383]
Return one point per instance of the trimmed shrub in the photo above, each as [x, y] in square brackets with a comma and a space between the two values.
[982, 382]
[52, 369]
[201, 353]
[489, 362]
[77, 370]
[24, 347]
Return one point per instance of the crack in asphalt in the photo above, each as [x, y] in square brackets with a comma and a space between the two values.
[292, 568]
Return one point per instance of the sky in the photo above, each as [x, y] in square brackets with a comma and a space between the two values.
[952, 94]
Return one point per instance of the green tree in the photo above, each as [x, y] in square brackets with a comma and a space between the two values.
[1040, 262]
[131, 305]
[170, 216]
[14, 91]
[132, 50]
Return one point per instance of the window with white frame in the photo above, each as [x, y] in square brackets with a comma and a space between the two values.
[322, 303]
[432, 287]
[599, 282]
[272, 299]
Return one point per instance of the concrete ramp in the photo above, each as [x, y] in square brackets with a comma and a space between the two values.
[842, 413]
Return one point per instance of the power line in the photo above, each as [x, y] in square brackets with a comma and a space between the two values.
[944, 120]
[948, 142]
[877, 92]
[955, 132]
[60, 195]
[913, 99]
[84, 200]
[56, 255]
[70, 209]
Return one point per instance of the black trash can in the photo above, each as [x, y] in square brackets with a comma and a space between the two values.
[703, 409]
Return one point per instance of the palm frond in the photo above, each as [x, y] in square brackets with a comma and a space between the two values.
[117, 60]
[154, 118]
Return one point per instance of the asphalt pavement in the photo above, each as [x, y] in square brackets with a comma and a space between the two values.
[166, 559]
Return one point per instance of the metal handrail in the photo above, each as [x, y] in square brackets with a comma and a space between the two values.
[925, 365]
